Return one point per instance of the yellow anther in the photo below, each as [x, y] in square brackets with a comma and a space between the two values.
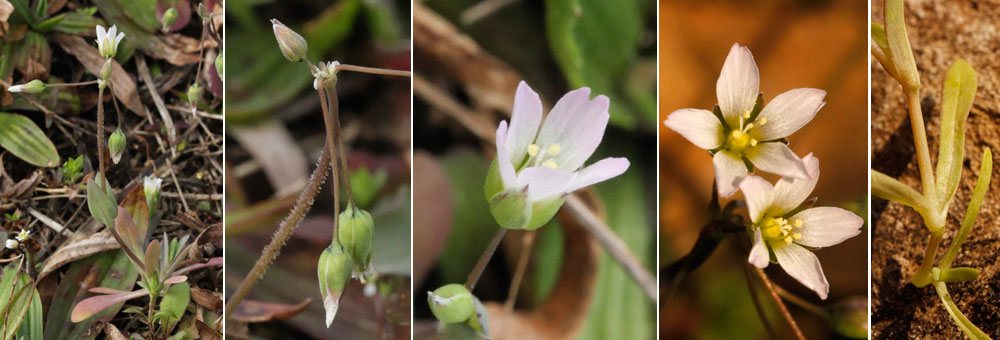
[551, 164]
[749, 126]
[798, 223]
[797, 236]
[746, 114]
[788, 239]
[762, 121]
[554, 149]
[753, 142]
[532, 150]
[737, 133]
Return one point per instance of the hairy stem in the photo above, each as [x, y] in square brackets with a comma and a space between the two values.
[282, 234]
[100, 134]
[484, 259]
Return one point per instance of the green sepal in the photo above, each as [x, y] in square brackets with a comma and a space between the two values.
[510, 208]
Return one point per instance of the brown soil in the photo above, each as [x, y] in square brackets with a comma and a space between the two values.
[940, 32]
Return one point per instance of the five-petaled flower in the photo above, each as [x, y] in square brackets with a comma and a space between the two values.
[744, 133]
[107, 41]
[538, 162]
[788, 236]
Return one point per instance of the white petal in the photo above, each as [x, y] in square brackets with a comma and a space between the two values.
[101, 33]
[729, 172]
[827, 226]
[119, 38]
[112, 32]
[16, 88]
[802, 264]
[758, 255]
[777, 158]
[789, 192]
[598, 172]
[544, 182]
[738, 84]
[789, 111]
[507, 172]
[524, 122]
[577, 124]
[701, 127]
[758, 193]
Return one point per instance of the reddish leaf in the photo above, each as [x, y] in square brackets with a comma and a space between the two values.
[256, 311]
[92, 305]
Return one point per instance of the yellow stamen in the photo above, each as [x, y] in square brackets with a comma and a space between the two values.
[554, 149]
[532, 150]
[551, 164]
[762, 121]
[798, 223]
[748, 127]
[753, 142]
[797, 236]
[746, 114]
[788, 239]
[737, 133]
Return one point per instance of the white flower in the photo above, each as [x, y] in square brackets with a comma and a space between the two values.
[23, 235]
[33, 87]
[327, 72]
[739, 135]
[788, 236]
[546, 158]
[107, 41]
[16, 88]
[11, 243]
[151, 185]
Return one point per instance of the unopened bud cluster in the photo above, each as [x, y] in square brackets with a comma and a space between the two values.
[349, 255]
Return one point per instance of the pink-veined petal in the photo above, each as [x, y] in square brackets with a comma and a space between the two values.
[803, 265]
[577, 124]
[738, 84]
[758, 254]
[777, 158]
[827, 226]
[700, 127]
[790, 192]
[506, 168]
[524, 122]
[598, 172]
[544, 182]
[758, 193]
[789, 112]
[729, 172]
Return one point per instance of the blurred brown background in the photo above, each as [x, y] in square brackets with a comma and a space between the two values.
[819, 44]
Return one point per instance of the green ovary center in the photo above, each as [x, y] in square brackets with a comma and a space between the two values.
[779, 231]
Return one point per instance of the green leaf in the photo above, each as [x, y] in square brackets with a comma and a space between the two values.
[471, 220]
[366, 185]
[24, 139]
[392, 234]
[101, 201]
[959, 92]
[982, 184]
[956, 274]
[15, 299]
[24, 9]
[77, 22]
[595, 42]
[899, 45]
[889, 188]
[174, 303]
[31, 327]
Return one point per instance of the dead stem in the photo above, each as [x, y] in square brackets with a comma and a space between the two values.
[777, 301]
[484, 259]
[528, 242]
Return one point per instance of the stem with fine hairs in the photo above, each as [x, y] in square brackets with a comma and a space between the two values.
[100, 134]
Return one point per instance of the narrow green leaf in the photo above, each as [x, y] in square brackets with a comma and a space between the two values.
[957, 274]
[31, 327]
[24, 9]
[881, 50]
[958, 94]
[77, 22]
[101, 201]
[899, 44]
[963, 322]
[982, 184]
[174, 303]
[24, 139]
[891, 189]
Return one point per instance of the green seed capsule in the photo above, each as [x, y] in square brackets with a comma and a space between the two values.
[168, 19]
[116, 145]
[334, 271]
[355, 233]
[33, 87]
[194, 94]
[452, 303]
[106, 70]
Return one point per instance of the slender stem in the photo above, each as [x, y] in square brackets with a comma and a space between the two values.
[330, 113]
[920, 141]
[339, 140]
[758, 305]
[152, 324]
[522, 266]
[373, 70]
[82, 83]
[100, 133]
[484, 259]
[923, 275]
[777, 301]
[282, 234]
[798, 301]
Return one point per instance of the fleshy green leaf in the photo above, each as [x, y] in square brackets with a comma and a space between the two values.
[982, 184]
[174, 303]
[101, 201]
[899, 44]
[24, 139]
[889, 188]
[959, 92]
[956, 274]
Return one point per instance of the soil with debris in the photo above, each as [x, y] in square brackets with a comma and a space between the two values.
[940, 32]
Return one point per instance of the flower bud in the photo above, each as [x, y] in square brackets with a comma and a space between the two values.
[355, 234]
[220, 62]
[107, 41]
[203, 12]
[334, 271]
[151, 190]
[116, 145]
[11, 243]
[33, 87]
[850, 317]
[168, 19]
[194, 94]
[292, 45]
[452, 303]
[106, 70]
